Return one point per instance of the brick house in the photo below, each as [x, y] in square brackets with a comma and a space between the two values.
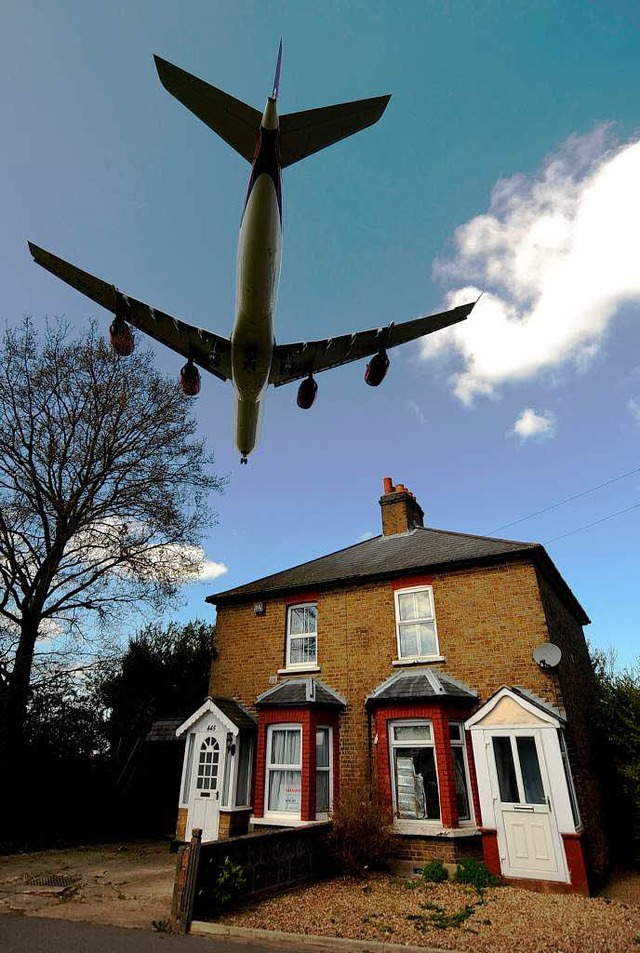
[402, 667]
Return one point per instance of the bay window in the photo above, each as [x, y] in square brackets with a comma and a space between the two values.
[284, 769]
[323, 772]
[414, 773]
[461, 770]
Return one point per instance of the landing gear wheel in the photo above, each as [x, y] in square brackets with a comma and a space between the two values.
[243, 460]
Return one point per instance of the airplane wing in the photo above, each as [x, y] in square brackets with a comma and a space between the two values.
[303, 133]
[210, 351]
[293, 361]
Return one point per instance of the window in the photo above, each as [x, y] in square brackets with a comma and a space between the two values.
[413, 771]
[284, 769]
[208, 762]
[416, 623]
[461, 771]
[188, 765]
[569, 778]
[323, 772]
[302, 630]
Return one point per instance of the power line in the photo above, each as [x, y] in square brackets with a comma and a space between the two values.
[569, 499]
[595, 523]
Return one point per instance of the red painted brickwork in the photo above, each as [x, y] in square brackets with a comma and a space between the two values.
[309, 719]
[491, 852]
[575, 862]
[440, 714]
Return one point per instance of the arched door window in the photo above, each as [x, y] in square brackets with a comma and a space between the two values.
[208, 763]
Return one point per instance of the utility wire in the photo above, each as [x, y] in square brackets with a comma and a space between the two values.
[569, 499]
[595, 523]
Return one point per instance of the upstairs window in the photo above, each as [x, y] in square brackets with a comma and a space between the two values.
[416, 623]
[302, 635]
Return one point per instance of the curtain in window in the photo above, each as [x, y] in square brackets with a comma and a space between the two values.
[284, 782]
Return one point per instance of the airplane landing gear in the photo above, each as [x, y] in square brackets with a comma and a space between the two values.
[243, 460]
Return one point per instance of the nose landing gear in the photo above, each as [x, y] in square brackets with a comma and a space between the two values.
[243, 459]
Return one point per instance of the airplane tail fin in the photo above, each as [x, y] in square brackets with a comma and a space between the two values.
[233, 120]
[303, 133]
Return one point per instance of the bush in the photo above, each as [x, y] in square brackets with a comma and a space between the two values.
[475, 874]
[434, 872]
[361, 838]
[229, 883]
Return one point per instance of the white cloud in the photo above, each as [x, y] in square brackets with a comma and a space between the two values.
[532, 425]
[416, 410]
[364, 536]
[633, 406]
[557, 256]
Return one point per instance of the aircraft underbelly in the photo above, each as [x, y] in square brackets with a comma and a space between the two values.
[258, 272]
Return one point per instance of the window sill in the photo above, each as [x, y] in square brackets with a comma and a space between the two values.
[234, 809]
[299, 670]
[432, 829]
[279, 820]
[421, 660]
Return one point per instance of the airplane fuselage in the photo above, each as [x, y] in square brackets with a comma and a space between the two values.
[257, 275]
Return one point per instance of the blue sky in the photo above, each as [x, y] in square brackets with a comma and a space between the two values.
[508, 161]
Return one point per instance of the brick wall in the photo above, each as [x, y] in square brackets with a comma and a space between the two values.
[489, 620]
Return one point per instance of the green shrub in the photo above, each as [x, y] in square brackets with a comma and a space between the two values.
[434, 872]
[229, 883]
[475, 874]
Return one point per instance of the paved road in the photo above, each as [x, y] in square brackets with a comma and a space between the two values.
[39, 935]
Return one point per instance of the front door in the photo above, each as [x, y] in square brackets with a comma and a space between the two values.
[204, 806]
[528, 837]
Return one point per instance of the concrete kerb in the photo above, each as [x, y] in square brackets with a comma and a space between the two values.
[318, 944]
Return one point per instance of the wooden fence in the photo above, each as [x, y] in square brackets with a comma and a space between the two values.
[269, 861]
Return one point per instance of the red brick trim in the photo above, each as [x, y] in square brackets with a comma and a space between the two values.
[301, 598]
[491, 851]
[408, 582]
[576, 863]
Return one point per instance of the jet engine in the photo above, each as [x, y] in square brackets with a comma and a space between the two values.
[190, 379]
[121, 337]
[307, 393]
[377, 368]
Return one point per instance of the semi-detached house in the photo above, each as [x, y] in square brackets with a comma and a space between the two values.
[402, 668]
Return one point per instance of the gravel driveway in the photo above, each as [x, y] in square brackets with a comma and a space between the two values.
[505, 919]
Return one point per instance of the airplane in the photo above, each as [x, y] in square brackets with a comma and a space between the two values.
[251, 359]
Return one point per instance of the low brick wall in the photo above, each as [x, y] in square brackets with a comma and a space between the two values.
[269, 860]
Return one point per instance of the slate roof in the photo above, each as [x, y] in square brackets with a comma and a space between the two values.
[164, 729]
[235, 711]
[422, 549]
[425, 683]
[301, 692]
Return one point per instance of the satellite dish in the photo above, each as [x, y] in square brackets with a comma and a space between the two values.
[547, 655]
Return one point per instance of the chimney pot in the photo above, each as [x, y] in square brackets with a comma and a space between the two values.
[401, 512]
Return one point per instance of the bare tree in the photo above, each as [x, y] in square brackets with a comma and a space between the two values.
[103, 494]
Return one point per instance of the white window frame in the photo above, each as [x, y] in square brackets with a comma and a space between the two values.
[410, 824]
[311, 663]
[470, 822]
[186, 782]
[270, 767]
[432, 618]
[325, 815]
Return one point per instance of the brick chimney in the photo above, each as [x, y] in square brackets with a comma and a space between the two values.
[401, 511]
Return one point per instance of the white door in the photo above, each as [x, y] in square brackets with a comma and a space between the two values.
[528, 837]
[204, 803]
